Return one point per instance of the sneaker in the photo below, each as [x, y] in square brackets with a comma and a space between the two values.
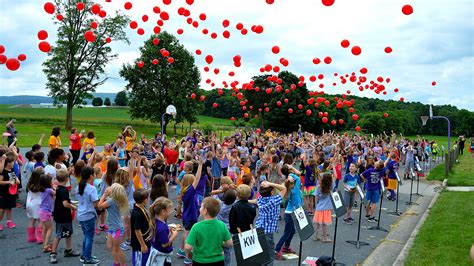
[367, 217]
[287, 250]
[93, 261]
[1, 227]
[355, 204]
[187, 261]
[350, 219]
[81, 259]
[124, 246]
[71, 253]
[53, 258]
[181, 253]
[103, 227]
[10, 225]
[127, 242]
[371, 220]
[279, 256]
[346, 221]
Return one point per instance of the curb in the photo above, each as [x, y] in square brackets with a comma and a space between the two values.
[404, 252]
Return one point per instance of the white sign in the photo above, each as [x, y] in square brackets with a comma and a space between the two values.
[337, 200]
[171, 109]
[361, 193]
[383, 186]
[398, 177]
[301, 217]
[249, 243]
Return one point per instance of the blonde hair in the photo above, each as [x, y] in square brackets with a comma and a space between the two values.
[226, 181]
[187, 181]
[243, 192]
[119, 195]
[97, 171]
[156, 208]
[122, 177]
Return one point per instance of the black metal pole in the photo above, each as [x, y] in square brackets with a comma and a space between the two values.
[334, 242]
[299, 255]
[358, 243]
[411, 191]
[378, 227]
[396, 213]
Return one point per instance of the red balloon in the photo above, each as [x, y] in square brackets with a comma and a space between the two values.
[170, 60]
[290, 111]
[328, 2]
[308, 112]
[345, 43]
[156, 9]
[215, 105]
[385, 115]
[13, 64]
[95, 9]
[2, 49]
[333, 122]
[42, 35]
[193, 96]
[357, 128]
[278, 103]
[202, 98]
[285, 100]
[164, 15]
[363, 70]
[209, 59]
[156, 41]
[180, 31]
[128, 5]
[225, 23]
[140, 64]
[270, 1]
[140, 31]
[316, 61]
[144, 18]
[355, 117]
[388, 49]
[433, 83]
[49, 7]
[94, 25]
[232, 118]
[402, 99]
[300, 106]
[89, 35]
[226, 34]
[202, 16]
[155, 62]
[341, 121]
[356, 50]
[44, 47]
[166, 2]
[60, 17]
[275, 49]
[3, 59]
[327, 60]
[324, 120]
[80, 6]
[22, 57]
[133, 25]
[407, 10]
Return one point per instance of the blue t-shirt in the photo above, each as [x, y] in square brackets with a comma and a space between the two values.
[393, 167]
[309, 178]
[351, 180]
[373, 177]
[86, 209]
[295, 197]
[114, 218]
[180, 178]
[161, 237]
[190, 205]
[324, 200]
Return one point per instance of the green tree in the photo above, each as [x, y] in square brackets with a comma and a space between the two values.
[155, 86]
[372, 123]
[107, 101]
[97, 101]
[76, 67]
[121, 99]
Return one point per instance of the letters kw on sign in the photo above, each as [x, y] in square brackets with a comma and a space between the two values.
[249, 244]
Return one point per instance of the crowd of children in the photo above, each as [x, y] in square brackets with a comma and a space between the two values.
[235, 184]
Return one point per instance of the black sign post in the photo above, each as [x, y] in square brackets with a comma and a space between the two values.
[304, 227]
[340, 210]
[257, 259]
[378, 227]
[357, 242]
[399, 183]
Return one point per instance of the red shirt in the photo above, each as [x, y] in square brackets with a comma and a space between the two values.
[171, 156]
[75, 141]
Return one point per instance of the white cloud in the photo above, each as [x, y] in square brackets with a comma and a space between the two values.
[433, 44]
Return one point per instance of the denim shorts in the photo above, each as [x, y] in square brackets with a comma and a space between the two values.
[188, 225]
[373, 196]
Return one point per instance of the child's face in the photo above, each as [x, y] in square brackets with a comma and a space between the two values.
[166, 213]
[352, 168]
[202, 211]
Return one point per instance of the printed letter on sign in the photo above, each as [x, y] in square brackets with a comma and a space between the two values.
[249, 244]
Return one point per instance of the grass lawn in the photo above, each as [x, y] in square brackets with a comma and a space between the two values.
[447, 234]
[105, 122]
[441, 140]
[462, 173]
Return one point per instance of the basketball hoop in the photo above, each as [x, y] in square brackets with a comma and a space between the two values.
[424, 119]
[171, 110]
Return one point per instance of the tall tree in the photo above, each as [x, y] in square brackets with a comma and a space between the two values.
[76, 67]
[164, 74]
[121, 99]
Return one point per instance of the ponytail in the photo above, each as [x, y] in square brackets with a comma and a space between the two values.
[86, 173]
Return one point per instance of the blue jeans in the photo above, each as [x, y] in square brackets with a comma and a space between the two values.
[88, 228]
[287, 234]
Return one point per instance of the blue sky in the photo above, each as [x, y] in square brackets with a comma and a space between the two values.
[435, 43]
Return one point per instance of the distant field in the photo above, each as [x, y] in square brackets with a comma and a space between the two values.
[105, 122]
[441, 140]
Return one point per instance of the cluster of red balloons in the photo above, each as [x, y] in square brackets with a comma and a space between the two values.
[12, 64]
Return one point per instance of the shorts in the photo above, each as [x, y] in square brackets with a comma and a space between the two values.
[309, 191]
[63, 230]
[7, 201]
[392, 184]
[171, 169]
[45, 216]
[117, 234]
[323, 217]
[373, 196]
[188, 225]
[200, 198]
[139, 258]
[349, 198]
[409, 164]
[156, 257]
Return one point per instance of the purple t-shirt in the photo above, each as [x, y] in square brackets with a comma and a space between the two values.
[309, 178]
[190, 205]
[201, 185]
[373, 177]
[161, 237]
[47, 200]
[393, 167]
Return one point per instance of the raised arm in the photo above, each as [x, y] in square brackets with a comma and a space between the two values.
[198, 173]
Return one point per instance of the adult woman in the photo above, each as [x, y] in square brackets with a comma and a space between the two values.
[54, 139]
[75, 144]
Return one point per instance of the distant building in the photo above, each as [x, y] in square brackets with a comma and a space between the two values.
[51, 105]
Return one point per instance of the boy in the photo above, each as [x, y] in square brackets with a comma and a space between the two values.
[62, 218]
[207, 238]
[392, 169]
[242, 213]
[223, 216]
[373, 177]
[349, 183]
[141, 232]
[269, 210]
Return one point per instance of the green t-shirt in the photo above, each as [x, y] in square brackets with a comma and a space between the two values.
[206, 237]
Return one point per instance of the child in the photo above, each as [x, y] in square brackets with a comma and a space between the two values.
[337, 166]
[242, 213]
[188, 169]
[45, 212]
[98, 186]
[7, 201]
[124, 178]
[86, 213]
[30, 165]
[226, 184]
[39, 159]
[116, 202]
[373, 177]
[294, 199]
[159, 188]
[62, 218]
[311, 172]
[392, 169]
[163, 236]
[269, 209]
[223, 216]
[190, 206]
[207, 238]
[141, 230]
[350, 182]
[323, 207]
[120, 153]
[33, 201]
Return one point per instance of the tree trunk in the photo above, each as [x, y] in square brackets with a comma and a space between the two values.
[174, 128]
[69, 116]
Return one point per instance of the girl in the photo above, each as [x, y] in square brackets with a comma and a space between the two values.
[120, 153]
[107, 181]
[190, 206]
[125, 178]
[337, 167]
[54, 139]
[7, 201]
[293, 197]
[163, 236]
[45, 212]
[116, 202]
[159, 188]
[86, 213]
[311, 172]
[33, 201]
[89, 140]
[324, 207]
[145, 173]
[77, 170]
[129, 136]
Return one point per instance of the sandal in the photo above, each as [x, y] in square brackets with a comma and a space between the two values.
[47, 249]
[327, 241]
[316, 239]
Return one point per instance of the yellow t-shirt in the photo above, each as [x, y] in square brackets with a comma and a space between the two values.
[89, 141]
[54, 142]
[129, 142]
